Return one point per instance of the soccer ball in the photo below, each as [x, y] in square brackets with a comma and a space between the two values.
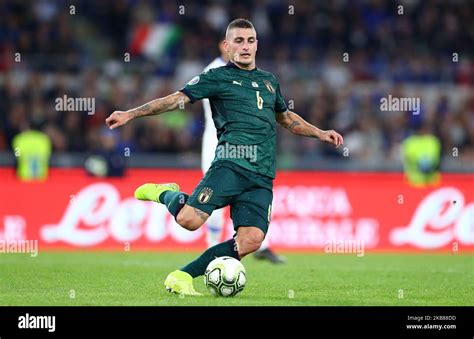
[225, 276]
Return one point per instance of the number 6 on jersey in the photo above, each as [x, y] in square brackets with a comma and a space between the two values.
[259, 100]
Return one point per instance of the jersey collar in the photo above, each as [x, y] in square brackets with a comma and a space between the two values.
[232, 65]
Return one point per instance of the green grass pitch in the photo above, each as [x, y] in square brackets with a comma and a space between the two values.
[136, 278]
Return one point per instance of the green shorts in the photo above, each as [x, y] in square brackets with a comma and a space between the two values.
[249, 194]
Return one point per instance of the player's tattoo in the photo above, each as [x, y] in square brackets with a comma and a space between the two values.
[161, 105]
[293, 125]
[294, 122]
[142, 110]
[297, 125]
[201, 214]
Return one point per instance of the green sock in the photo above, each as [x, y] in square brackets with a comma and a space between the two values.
[173, 200]
[198, 266]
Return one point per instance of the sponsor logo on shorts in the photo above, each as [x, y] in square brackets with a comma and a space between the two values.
[205, 195]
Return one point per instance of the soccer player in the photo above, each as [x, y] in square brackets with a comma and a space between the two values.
[215, 222]
[246, 104]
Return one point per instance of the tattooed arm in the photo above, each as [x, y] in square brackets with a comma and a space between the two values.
[201, 214]
[157, 106]
[297, 125]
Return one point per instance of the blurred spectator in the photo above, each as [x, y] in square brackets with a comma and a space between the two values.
[421, 157]
[107, 160]
[32, 149]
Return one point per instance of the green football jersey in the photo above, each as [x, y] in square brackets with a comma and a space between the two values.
[244, 105]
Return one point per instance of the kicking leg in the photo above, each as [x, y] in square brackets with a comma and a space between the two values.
[208, 196]
[186, 216]
[248, 240]
[181, 281]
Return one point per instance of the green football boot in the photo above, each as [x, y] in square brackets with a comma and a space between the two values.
[151, 192]
[181, 283]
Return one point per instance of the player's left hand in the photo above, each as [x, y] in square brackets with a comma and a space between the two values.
[332, 137]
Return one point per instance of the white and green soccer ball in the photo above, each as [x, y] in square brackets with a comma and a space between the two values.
[225, 276]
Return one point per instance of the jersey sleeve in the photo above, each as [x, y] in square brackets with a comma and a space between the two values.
[204, 85]
[280, 105]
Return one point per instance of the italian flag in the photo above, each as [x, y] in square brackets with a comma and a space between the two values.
[153, 40]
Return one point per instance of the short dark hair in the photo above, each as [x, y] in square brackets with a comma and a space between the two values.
[239, 23]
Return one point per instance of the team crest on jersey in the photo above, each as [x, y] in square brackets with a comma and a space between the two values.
[205, 195]
[194, 80]
[269, 86]
[254, 84]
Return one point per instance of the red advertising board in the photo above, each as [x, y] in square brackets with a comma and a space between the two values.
[311, 211]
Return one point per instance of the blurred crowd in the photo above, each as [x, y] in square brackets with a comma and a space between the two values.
[334, 61]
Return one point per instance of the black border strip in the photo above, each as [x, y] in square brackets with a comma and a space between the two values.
[291, 322]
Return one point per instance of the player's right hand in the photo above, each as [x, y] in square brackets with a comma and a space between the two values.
[118, 118]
